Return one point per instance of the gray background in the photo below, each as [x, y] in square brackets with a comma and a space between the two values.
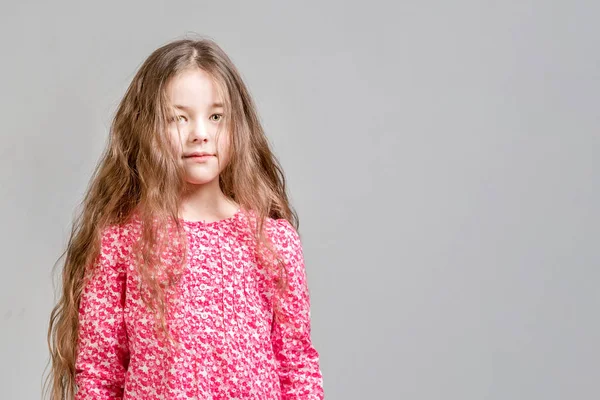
[442, 156]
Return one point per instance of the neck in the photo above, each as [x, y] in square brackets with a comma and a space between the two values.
[206, 203]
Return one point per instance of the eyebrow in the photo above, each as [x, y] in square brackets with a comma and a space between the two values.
[186, 108]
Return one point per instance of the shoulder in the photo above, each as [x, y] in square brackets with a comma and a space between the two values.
[281, 229]
[284, 236]
[116, 242]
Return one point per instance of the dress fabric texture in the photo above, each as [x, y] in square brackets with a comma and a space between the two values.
[220, 312]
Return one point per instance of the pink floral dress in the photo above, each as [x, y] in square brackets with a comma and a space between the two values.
[231, 347]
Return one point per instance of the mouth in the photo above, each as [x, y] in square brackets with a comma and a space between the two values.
[198, 157]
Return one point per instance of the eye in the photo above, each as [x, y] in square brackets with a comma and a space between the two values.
[179, 118]
[220, 117]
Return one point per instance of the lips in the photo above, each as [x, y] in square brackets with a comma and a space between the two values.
[198, 154]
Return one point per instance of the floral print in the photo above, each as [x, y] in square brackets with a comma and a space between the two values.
[220, 312]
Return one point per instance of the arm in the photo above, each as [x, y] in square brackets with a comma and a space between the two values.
[103, 354]
[297, 360]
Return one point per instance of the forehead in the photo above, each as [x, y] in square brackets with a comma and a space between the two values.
[193, 88]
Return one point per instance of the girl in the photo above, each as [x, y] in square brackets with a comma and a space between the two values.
[184, 274]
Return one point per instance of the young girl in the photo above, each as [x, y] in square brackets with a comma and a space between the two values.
[184, 274]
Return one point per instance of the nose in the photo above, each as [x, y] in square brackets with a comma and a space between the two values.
[199, 131]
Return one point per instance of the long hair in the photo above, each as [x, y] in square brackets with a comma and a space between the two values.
[138, 175]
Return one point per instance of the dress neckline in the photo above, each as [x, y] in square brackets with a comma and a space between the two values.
[202, 223]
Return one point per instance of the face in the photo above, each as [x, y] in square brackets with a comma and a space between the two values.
[197, 116]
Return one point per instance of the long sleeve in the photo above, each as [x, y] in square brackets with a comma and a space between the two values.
[297, 359]
[103, 354]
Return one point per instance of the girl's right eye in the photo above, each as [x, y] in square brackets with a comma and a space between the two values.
[179, 118]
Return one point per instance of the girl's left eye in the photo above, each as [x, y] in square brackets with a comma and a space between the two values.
[217, 115]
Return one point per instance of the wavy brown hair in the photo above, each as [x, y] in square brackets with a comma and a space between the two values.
[138, 176]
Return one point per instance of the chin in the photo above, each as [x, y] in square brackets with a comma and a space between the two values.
[198, 180]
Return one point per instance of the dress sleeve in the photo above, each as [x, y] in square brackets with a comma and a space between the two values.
[103, 354]
[297, 359]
